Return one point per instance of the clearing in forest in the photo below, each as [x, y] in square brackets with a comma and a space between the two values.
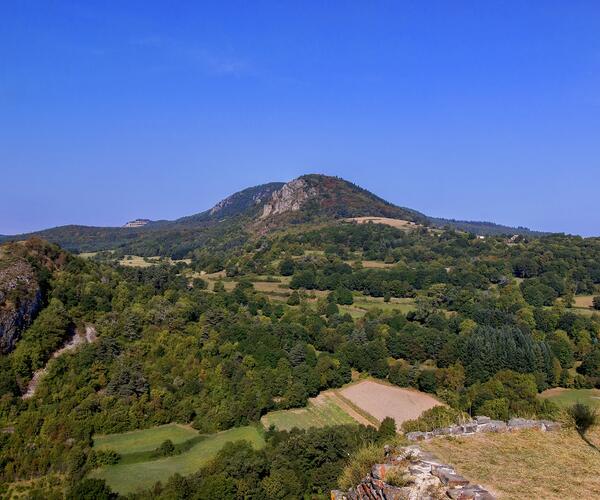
[568, 397]
[144, 439]
[383, 400]
[126, 477]
[397, 223]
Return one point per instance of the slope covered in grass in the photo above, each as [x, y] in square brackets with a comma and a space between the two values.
[527, 464]
[144, 440]
[128, 477]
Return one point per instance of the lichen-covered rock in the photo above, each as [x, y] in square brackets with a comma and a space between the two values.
[380, 471]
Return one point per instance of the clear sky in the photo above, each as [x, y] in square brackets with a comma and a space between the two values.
[481, 110]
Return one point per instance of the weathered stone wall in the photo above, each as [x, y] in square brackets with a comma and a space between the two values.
[485, 424]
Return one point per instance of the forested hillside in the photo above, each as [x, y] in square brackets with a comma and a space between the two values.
[246, 327]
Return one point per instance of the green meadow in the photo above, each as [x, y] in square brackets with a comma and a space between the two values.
[568, 397]
[322, 413]
[144, 440]
[128, 477]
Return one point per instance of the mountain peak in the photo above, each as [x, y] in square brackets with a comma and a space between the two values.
[323, 195]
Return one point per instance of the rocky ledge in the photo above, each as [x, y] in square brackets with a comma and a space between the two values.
[424, 478]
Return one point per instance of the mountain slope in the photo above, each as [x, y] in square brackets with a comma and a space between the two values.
[309, 198]
[324, 196]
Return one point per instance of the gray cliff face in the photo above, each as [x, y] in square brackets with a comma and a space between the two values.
[289, 198]
[20, 301]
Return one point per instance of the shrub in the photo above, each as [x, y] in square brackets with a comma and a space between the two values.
[387, 429]
[294, 299]
[360, 464]
[166, 449]
[434, 418]
[583, 416]
[495, 408]
[397, 477]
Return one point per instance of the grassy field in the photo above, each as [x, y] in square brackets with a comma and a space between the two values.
[363, 304]
[526, 464]
[584, 301]
[568, 397]
[144, 440]
[128, 477]
[326, 409]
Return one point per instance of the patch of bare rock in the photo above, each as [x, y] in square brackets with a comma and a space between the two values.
[75, 341]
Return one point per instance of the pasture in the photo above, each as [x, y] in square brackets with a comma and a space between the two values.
[397, 223]
[383, 400]
[568, 397]
[128, 477]
[328, 408]
[145, 439]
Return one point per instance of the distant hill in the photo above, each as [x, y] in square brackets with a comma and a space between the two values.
[309, 198]
[484, 228]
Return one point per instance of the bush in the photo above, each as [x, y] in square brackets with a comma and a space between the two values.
[166, 449]
[495, 408]
[434, 418]
[294, 299]
[97, 458]
[360, 465]
[397, 477]
[583, 416]
[387, 429]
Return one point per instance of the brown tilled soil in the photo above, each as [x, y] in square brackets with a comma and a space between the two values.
[381, 400]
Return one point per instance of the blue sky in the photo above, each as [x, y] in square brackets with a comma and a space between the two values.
[475, 110]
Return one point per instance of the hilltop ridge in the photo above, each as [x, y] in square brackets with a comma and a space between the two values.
[308, 198]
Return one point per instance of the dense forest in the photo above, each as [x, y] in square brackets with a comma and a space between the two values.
[493, 324]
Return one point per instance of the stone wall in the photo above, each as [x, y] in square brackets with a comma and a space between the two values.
[485, 424]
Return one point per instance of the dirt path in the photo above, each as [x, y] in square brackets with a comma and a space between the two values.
[72, 343]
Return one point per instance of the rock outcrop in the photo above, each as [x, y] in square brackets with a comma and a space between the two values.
[289, 198]
[25, 269]
[424, 478]
[137, 223]
[20, 301]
